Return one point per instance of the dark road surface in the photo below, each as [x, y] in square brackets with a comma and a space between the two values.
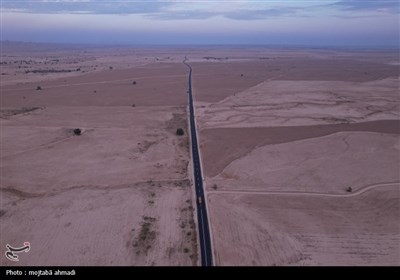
[204, 232]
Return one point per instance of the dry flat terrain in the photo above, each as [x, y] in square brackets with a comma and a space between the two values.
[119, 193]
[301, 155]
[300, 152]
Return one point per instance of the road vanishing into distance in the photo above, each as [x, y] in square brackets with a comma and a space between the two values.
[204, 232]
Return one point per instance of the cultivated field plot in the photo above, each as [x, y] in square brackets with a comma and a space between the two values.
[315, 132]
[119, 193]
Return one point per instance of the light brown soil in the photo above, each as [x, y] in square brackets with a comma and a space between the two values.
[218, 154]
[307, 230]
[156, 85]
[327, 165]
[118, 194]
[93, 225]
[283, 133]
[216, 81]
[302, 162]
[291, 103]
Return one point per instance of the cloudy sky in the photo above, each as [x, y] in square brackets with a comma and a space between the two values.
[284, 22]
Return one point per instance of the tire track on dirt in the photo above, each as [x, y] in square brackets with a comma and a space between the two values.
[358, 192]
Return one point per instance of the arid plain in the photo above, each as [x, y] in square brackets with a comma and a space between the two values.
[300, 154]
[118, 194]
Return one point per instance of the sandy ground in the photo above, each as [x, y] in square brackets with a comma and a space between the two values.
[240, 145]
[283, 133]
[307, 230]
[35, 62]
[289, 103]
[301, 157]
[118, 194]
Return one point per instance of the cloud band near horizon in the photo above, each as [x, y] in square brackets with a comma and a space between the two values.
[345, 20]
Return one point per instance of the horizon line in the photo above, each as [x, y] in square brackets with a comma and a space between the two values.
[239, 45]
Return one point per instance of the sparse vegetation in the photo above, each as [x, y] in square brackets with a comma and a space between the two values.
[38, 88]
[134, 83]
[180, 131]
[146, 235]
[349, 189]
[188, 228]
[6, 113]
[46, 71]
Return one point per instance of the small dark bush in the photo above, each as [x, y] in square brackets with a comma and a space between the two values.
[38, 88]
[134, 83]
[77, 131]
[133, 105]
[180, 131]
[349, 189]
[241, 75]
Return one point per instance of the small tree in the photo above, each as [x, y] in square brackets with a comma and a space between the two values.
[77, 131]
[180, 131]
[134, 83]
[38, 88]
[349, 189]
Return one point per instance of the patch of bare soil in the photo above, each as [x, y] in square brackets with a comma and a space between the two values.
[329, 165]
[215, 81]
[118, 192]
[151, 85]
[300, 152]
[283, 230]
[223, 145]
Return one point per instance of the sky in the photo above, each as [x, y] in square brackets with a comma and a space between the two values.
[358, 23]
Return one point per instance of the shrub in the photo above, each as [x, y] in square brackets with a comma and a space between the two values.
[77, 131]
[38, 88]
[134, 83]
[180, 131]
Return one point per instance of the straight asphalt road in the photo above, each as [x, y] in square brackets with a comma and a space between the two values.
[204, 232]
